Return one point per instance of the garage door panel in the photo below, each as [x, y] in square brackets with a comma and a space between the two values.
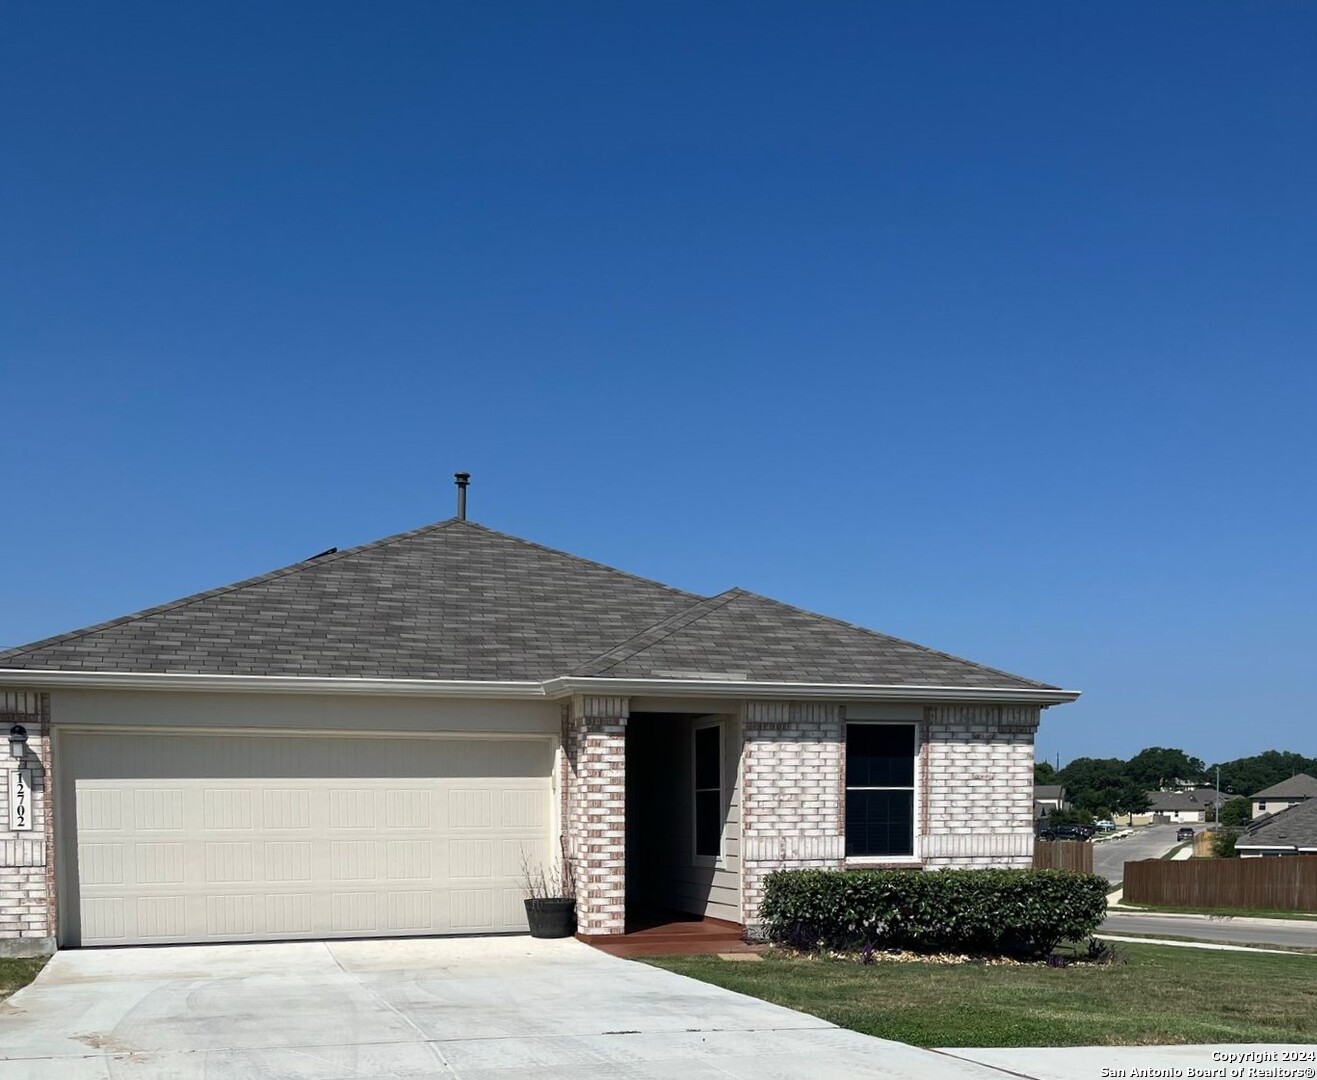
[175, 856]
[222, 757]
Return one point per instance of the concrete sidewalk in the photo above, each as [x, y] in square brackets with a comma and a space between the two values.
[1096, 1062]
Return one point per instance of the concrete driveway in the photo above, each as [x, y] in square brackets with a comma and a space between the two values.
[472, 1009]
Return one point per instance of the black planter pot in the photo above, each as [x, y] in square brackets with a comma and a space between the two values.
[551, 918]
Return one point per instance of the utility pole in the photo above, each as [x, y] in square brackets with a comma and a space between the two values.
[1217, 814]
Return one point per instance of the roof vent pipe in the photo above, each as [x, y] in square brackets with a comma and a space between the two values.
[461, 479]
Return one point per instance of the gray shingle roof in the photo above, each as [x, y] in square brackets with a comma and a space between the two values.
[456, 600]
[1298, 786]
[740, 634]
[1294, 827]
[1166, 801]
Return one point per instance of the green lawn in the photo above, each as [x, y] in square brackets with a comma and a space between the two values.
[16, 973]
[1162, 995]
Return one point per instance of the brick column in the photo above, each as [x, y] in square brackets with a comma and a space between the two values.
[791, 809]
[977, 781]
[27, 864]
[595, 744]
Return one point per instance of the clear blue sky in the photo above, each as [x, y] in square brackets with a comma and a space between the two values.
[991, 326]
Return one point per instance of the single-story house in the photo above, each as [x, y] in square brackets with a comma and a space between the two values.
[1298, 788]
[1180, 807]
[1292, 831]
[379, 741]
[1048, 797]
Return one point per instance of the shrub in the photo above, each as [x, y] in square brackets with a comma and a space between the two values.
[979, 911]
[1223, 843]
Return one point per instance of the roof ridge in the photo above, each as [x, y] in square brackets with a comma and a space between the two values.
[577, 558]
[1281, 784]
[901, 641]
[311, 563]
[673, 624]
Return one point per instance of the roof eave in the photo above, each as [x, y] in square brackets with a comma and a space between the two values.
[271, 684]
[556, 688]
[567, 685]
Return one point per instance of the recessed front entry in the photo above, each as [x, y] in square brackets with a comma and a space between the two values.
[194, 838]
[683, 815]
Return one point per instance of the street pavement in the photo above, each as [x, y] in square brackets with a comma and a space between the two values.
[1290, 933]
[1148, 842]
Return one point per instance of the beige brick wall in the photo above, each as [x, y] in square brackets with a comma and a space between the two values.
[791, 792]
[977, 766]
[27, 874]
[594, 741]
[974, 789]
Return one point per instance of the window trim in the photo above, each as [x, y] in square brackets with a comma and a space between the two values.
[716, 861]
[915, 789]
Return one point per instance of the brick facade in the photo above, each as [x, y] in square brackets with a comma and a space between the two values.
[974, 781]
[791, 792]
[27, 865]
[594, 743]
[977, 775]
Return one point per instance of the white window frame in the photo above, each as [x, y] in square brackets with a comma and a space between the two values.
[696, 858]
[915, 789]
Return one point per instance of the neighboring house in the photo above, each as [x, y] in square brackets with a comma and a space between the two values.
[374, 742]
[1048, 797]
[1298, 788]
[1291, 831]
[1180, 807]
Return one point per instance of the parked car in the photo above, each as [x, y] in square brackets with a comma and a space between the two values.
[1070, 832]
[1184, 833]
[1105, 825]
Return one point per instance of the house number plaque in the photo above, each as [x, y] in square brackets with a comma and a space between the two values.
[20, 800]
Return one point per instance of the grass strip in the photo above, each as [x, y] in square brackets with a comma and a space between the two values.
[1161, 994]
[17, 972]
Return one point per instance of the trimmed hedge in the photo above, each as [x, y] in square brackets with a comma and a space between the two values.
[1000, 912]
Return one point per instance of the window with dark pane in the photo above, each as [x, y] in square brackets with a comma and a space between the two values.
[880, 789]
[880, 755]
[708, 792]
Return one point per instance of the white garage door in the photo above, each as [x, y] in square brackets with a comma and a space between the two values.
[193, 838]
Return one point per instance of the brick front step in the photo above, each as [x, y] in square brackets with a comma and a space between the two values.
[616, 945]
[678, 936]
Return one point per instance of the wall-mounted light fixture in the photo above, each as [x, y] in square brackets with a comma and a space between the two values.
[17, 741]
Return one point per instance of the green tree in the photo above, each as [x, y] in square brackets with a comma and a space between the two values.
[1044, 773]
[1069, 817]
[1236, 812]
[1094, 785]
[1244, 776]
[1158, 765]
[1132, 799]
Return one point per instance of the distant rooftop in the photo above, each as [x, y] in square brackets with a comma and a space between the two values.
[1294, 827]
[1298, 786]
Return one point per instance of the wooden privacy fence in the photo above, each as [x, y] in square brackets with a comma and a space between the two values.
[1063, 855]
[1288, 884]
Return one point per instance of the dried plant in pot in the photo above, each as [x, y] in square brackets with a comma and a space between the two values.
[550, 898]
